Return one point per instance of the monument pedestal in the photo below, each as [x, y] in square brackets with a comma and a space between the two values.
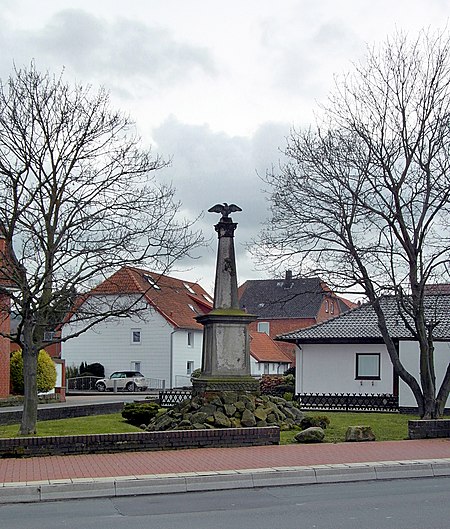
[226, 353]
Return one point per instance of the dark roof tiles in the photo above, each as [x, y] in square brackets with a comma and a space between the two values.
[281, 298]
[361, 323]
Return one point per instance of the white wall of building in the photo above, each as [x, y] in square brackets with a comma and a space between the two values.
[331, 368]
[185, 349]
[409, 356]
[110, 343]
[258, 369]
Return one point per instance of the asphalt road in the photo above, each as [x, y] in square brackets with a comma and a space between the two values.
[399, 504]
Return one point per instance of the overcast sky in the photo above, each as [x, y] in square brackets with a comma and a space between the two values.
[215, 86]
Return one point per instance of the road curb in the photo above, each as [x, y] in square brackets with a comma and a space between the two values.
[79, 488]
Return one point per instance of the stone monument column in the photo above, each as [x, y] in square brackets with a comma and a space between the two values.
[226, 342]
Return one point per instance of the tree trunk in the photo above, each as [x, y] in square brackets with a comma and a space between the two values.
[30, 356]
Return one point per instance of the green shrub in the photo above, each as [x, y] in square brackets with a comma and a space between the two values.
[46, 372]
[289, 380]
[138, 413]
[72, 371]
[196, 373]
[315, 420]
[92, 370]
[290, 371]
[288, 395]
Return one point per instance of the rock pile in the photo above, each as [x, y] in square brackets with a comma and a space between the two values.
[228, 410]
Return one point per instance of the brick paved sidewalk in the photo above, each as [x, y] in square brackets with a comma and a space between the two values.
[216, 459]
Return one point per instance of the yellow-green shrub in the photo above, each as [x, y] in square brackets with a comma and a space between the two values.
[46, 372]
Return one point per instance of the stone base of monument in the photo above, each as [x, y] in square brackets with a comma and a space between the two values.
[206, 385]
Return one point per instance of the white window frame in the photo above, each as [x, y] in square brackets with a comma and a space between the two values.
[190, 339]
[135, 365]
[190, 367]
[264, 327]
[133, 336]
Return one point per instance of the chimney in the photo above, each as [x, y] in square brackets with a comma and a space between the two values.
[288, 279]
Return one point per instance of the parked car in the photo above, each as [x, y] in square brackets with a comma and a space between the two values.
[124, 380]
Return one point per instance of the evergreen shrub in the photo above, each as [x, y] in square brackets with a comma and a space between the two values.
[46, 372]
[138, 413]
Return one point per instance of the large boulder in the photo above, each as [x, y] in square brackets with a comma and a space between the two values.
[315, 434]
[248, 418]
[359, 433]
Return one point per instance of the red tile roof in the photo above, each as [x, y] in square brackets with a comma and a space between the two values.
[178, 301]
[264, 349]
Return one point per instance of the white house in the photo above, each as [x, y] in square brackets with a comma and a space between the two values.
[163, 342]
[266, 358]
[347, 354]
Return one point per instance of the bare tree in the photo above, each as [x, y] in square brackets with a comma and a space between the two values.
[364, 197]
[78, 200]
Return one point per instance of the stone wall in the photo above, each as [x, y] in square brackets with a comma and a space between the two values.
[139, 441]
[429, 429]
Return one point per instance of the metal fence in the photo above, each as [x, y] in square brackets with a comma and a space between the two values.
[348, 401]
[81, 383]
[88, 383]
[173, 396]
[155, 383]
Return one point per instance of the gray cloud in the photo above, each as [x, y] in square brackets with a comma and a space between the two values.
[302, 46]
[210, 167]
[118, 53]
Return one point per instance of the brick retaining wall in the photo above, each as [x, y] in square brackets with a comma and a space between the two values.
[429, 429]
[139, 441]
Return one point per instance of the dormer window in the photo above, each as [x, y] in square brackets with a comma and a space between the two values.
[208, 298]
[192, 308]
[188, 288]
[152, 282]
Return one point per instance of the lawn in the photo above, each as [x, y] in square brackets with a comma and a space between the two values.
[386, 426]
[112, 423]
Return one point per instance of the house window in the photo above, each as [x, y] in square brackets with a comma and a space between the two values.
[189, 367]
[264, 326]
[135, 366]
[136, 337]
[48, 336]
[266, 368]
[367, 366]
[190, 339]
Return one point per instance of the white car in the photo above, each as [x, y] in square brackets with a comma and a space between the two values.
[124, 380]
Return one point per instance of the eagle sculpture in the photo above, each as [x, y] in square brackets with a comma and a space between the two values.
[224, 209]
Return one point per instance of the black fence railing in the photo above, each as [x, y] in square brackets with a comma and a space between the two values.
[317, 401]
[81, 383]
[347, 401]
[171, 397]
